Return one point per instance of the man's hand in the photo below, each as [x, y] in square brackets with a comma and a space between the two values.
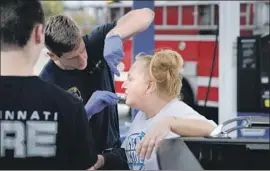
[154, 136]
[98, 164]
[98, 101]
[113, 52]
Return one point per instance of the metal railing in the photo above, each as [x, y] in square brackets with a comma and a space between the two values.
[209, 20]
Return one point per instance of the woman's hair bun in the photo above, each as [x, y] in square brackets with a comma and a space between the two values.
[165, 63]
[164, 68]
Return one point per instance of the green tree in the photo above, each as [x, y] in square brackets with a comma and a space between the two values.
[53, 8]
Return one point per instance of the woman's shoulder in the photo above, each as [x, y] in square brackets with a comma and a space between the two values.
[179, 109]
[179, 104]
[139, 116]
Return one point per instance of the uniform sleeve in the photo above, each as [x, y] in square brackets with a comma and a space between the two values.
[103, 30]
[97, 36]
[96, 39]
[84, 150]
[115, 160]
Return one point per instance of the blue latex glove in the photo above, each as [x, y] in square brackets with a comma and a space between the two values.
[113, 52]
[98, 101]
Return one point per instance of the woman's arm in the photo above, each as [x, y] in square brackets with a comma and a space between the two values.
[190, 127]
[181, 126]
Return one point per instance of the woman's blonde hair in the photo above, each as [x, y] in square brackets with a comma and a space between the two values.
[164, 68]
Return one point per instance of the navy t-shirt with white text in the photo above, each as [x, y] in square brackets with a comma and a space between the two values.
[42, 127]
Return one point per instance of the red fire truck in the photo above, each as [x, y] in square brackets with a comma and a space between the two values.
[189, 27]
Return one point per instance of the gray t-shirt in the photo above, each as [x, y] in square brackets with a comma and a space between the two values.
[141, 125]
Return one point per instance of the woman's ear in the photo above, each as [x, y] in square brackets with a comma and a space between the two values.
[151, 87]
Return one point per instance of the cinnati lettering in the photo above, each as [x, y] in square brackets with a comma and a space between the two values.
[22, 115]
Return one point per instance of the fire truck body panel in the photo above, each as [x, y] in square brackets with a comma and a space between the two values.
[197, 52]
[181, 28]
[189, 27]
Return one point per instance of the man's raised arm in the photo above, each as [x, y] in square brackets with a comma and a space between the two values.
[132, 23]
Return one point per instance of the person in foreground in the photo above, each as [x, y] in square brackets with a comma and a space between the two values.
[85, 66]
[153, 87]
[42, 126]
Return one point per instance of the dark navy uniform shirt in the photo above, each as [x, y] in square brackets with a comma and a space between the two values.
[42, 127]
[97, 76]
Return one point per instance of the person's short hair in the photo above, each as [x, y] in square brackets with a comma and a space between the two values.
[62, 34]
[164, 68]
[18, 18]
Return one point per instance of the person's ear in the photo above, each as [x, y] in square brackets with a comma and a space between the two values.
[39, 34]
[151, 87]
[53, 56]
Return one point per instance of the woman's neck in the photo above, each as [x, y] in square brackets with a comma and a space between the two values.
[154, 106]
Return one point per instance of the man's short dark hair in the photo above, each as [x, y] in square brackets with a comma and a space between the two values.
[62, 35]
[18, 18]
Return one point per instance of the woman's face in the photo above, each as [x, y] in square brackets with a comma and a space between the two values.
[136, 86]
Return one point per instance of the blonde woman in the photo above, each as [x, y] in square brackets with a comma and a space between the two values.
[153, 86]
